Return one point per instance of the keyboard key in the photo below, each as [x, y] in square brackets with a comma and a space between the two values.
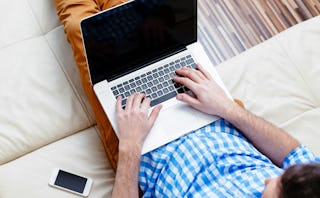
[127, 94]
[154, 95]
[133, 85]
[115, 92]
[180, 90]
[126, 87]
[144, 86]
[163, 98]
[123, 102]
[155, 82]
[189, 61]
[121, 90]
[154, 89]
[113, 88]
[177, 85]
[138, 89]
[171, 88]
[155, 75]
[183, 64]
[186, 89]
[144, 80]
[148, 91]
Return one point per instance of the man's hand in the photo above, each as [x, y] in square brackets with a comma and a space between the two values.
[208, 96]
[134, 123]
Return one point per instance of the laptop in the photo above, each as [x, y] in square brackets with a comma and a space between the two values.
[136, 47]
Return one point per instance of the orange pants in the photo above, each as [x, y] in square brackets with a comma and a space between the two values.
[70, 13]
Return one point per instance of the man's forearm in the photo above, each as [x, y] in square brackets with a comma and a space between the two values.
[126, 181]
[267, 138]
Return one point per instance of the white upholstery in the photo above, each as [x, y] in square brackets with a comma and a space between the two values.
[279, 80]
[46, 121]
[81, 153]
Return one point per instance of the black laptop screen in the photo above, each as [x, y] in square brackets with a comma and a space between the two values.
[130, 36]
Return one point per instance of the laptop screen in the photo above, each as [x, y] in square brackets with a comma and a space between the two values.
[138, 33]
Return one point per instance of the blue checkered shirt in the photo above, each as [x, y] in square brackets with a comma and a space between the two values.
[214, 161]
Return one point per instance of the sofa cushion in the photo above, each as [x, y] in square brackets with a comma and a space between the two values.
[45, 14]
[38, 105]
[17, 22]
[81, 153]
[279, 81]
[63, 53]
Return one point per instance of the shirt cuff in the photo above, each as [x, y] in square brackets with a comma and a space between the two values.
[299, 155]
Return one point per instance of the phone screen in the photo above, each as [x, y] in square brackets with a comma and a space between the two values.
[71, 181]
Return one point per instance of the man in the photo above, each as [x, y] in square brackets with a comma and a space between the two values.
[217, 160]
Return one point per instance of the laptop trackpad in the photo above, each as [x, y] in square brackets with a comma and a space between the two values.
[171, 124]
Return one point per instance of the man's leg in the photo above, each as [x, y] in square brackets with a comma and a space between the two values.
[70, 13]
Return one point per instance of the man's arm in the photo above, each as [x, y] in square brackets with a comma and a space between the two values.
[270, 140]
[210, 98]
[134, 125]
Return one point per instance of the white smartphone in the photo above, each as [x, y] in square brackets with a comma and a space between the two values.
[70, 182]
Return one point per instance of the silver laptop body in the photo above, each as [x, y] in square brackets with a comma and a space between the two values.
[136, 47]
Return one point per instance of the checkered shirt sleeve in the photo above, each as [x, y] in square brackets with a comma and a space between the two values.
[300, 155]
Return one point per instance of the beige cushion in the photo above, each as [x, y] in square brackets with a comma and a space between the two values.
[81, 153]
[41, 99]
[38, 105]
[279, 80]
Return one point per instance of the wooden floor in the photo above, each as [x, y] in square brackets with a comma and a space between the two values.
[228, 27]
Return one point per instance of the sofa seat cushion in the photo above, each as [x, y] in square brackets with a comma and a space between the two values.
[41, 98]
[279, 80]
[38, 105]
[80, 153]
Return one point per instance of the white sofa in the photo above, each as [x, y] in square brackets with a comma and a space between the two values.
[46, 122]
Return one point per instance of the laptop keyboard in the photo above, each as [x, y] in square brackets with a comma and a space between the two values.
[156, 84]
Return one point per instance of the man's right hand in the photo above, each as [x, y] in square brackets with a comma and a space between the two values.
[210, 98]
[208, 95]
